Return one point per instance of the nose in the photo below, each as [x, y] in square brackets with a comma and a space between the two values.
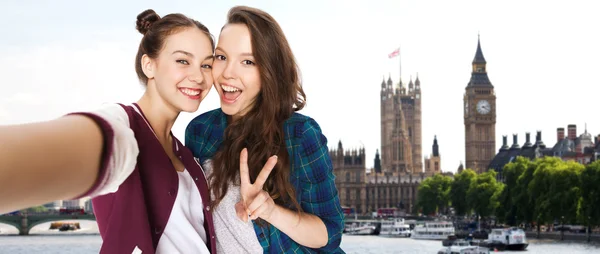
[196, 77]
[229, 72]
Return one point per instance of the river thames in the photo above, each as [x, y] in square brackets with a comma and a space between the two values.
[44, 241]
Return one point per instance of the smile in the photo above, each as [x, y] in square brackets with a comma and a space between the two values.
[193, 94]
[230, 93]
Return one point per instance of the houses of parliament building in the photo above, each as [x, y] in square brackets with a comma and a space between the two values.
[398, 170]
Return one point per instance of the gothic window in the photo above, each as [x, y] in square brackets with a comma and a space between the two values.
[436, 166]
[357, 177]
[409, 132]
[347, 176]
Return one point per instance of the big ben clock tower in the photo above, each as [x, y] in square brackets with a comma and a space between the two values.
[479, 116]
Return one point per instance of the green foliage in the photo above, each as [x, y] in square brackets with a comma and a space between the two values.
[483, 194]
[434, 194]
[458, 192]
[589, 203]
[541, 191]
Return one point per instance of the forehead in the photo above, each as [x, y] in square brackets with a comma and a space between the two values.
[235, 38]
[191, 40]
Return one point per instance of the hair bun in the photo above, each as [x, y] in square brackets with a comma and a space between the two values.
[145, 20]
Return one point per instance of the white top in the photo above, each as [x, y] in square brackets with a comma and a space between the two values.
[233, 235]
[184, 232]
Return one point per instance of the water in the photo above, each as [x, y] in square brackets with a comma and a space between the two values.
[52, 242]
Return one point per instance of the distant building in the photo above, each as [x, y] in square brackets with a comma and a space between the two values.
[583, 149]
[88, 207]
[433, 163]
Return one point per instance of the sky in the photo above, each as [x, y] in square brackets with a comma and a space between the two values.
[543, 57]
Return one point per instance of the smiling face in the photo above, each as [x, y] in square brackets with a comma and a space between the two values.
[237, 78]
[181, 74]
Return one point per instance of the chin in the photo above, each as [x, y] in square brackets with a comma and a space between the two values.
[229, 109]
[189, 108]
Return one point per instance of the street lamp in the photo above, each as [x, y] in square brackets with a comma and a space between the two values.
[562, 228]
[589, 229]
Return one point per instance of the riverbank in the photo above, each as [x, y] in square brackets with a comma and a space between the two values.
[556, 236]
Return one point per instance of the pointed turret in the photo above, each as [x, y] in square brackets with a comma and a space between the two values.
[479, 75]
[417, 83]
[436, 149]
[377, 162]
[479, 59]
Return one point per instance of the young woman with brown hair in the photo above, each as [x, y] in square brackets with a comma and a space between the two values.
[295, 207]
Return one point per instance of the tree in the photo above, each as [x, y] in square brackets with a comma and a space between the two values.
[483, 194]
[521, 196]
[589, 212]
[434, 194]
[540, 189]
[565, 191]
[35, 209]
[508, 209]
[458, 191]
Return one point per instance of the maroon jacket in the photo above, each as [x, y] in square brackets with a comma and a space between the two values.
[137, 213]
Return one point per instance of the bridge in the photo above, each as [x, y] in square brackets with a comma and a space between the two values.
[26, 221]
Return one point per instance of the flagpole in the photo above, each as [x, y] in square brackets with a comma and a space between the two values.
[399, 65]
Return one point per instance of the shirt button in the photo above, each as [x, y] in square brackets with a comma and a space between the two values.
[196, 179]
[207, 208]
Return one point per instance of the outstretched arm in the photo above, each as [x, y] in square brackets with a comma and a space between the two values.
[82, 154]
[47, 161]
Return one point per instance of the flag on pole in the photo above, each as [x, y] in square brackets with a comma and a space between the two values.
[394, 54]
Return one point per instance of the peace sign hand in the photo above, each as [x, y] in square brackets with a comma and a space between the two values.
[255, 201]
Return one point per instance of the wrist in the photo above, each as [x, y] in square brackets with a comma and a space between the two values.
[275, 214]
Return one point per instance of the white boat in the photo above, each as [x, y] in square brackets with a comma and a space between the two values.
[362, 228]
[433, 230]
[505, 239]
[463, 247]
[395, 228]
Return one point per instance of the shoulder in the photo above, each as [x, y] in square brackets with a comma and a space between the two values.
[298, 125]
[205, 132]
[113, 113]
[300, 128]
[206, 121]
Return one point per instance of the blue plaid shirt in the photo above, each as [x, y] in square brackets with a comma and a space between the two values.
[312, 176]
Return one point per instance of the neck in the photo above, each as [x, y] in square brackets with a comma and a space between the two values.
[160, 115]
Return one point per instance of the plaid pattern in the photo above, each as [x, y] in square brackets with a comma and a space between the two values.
[312, 176]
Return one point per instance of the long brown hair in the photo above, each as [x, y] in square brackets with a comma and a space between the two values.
[260, 130]
[156, 30]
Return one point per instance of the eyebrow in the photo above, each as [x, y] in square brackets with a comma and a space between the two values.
[190, 54]
[183, 52]
[242, 54]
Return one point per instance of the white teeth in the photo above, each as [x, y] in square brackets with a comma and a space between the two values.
[190, 91]
[229, 89]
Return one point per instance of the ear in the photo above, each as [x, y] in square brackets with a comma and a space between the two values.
[148, 66]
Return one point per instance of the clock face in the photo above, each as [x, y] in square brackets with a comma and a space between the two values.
[483, 107]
